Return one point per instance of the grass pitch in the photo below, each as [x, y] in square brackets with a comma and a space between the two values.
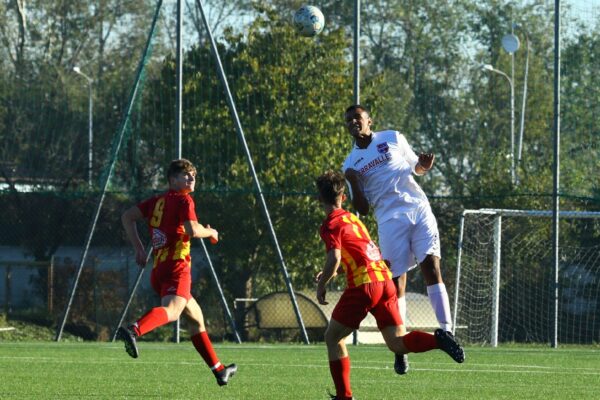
[48, 370]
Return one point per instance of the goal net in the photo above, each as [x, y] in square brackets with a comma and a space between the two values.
[506, 281]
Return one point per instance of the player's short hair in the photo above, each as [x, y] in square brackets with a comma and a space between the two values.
[331, 186]
[355, 107]
[178, 166]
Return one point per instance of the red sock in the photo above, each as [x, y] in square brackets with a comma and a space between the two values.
[204, 346]
[418, 342]
[340, 372]
[151, 320]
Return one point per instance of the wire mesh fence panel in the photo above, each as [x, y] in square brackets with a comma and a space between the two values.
[421, 75]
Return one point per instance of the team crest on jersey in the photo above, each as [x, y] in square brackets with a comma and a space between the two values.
[159, 239]
[373, 251]
[383, 148]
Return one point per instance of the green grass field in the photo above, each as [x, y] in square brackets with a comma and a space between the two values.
[48, 370]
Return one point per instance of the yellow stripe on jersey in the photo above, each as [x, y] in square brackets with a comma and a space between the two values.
[161, 256]
[182, 250]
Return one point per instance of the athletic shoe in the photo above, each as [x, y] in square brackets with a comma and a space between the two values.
[128, 336]
[334, 397]
[226, 373]
[448, 344]
[401, 365]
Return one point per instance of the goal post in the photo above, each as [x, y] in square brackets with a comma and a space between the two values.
[505, 283]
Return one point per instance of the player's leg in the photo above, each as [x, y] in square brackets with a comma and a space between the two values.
[203, 345]
[351, 309]
[388, 320]
[394, 237]
[170, 309]
[401, 365]
[425, 243]
[436, 290]
[339, 361]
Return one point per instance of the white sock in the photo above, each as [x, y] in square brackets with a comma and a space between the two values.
[402, 309]
[441, 305]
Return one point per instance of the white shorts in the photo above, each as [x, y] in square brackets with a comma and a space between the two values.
[408, 238]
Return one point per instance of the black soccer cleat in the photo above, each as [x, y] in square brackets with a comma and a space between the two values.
[334, 397]
[226, 373]
[128, 336]
[449, 345]
[401, 365]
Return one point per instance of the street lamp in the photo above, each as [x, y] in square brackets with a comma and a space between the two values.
[488, 67]
[524, 101]
[89, 80]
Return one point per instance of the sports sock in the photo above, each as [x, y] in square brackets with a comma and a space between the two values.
[204, 347]
[340, 372]
[441, 305]
[402, 309]
[418, 342]
[151, 320]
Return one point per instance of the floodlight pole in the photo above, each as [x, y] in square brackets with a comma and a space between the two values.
[488, 67]
[90, 81]
[524, 101]
[356, 51]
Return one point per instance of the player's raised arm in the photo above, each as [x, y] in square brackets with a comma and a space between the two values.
[197, 230]
[128, 219]
[358, 198]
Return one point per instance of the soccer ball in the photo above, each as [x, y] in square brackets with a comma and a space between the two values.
[309, 21]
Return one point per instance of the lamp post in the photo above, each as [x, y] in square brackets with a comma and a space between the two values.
[89, 80]
[488, 67]
[524, 101]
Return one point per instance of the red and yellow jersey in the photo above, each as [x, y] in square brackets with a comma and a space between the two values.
[361, 258]
[166, 214]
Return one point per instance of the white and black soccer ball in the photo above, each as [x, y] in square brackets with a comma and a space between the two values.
[309, 20]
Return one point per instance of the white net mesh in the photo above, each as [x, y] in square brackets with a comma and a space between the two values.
[527, 277]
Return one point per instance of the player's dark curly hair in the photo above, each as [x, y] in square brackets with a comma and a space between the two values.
[355, 107]
[180, 165]
[331, 185]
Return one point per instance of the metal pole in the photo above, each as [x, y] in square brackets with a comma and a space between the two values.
[179, 79]
[222, 295]
[357, 52]
[458, 265]
[512, 119]
[178, 114]
[524, 101]
[496, 277]
[90, 81]
[356, 86]
[90, 134]
[556, 167]
[258, 188]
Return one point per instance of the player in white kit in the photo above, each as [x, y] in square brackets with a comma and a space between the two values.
[380, 171]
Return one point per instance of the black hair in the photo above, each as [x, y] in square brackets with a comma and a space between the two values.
[355, 107]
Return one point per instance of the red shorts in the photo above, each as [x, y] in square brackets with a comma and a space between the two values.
[378, 298]
[172, 279]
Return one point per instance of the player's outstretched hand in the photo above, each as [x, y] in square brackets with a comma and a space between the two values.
[426, 160]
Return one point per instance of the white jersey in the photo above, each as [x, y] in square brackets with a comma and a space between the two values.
[386, 170]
